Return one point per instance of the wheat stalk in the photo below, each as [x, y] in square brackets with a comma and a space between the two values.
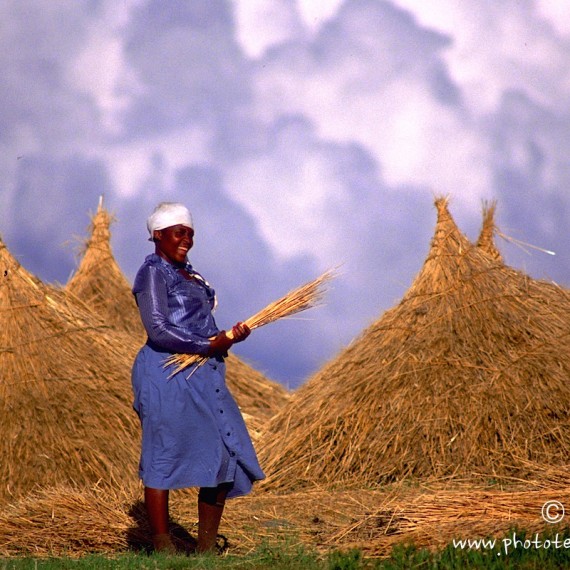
[300, 299]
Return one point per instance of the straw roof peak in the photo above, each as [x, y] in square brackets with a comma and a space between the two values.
[100, 226]
[99, 281]
[451, 260]
[486, 240]
[100, 230]
[447, 239]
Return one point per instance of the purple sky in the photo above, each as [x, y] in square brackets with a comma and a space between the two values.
[301, 134]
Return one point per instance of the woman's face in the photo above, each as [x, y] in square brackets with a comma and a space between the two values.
[174, 242]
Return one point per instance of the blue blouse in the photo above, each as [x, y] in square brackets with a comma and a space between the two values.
[176, 312]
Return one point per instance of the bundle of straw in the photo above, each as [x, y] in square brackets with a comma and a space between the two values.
[297, 300]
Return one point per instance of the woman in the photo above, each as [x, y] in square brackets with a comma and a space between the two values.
[193, 434]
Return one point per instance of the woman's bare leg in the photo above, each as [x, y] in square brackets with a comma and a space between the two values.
[211, 501]
[156, 502]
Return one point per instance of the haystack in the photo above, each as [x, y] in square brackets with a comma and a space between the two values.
[466, 378]
[65, 396]
[101, 284]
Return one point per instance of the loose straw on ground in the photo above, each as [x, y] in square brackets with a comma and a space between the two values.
[300, 299]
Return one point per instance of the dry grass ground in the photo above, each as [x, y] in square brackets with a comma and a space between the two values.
[65, 522]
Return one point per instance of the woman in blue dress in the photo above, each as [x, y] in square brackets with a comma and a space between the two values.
[193, 434]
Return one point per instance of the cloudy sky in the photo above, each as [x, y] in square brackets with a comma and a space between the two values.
[302, 134]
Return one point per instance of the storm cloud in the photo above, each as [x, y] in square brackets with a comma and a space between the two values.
[302, 136]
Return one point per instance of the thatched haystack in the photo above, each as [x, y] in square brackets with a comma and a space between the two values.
[73, 522]
[466, 378]
[65, 396]
[101, 284]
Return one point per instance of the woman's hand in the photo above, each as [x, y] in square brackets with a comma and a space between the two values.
[240, 331]
[222, 342]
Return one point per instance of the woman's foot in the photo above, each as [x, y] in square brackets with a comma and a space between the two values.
[163, 543]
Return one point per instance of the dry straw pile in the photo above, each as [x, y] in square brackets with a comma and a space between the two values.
[65, 521]
[101, 284]
[466, 378]
[65, 397]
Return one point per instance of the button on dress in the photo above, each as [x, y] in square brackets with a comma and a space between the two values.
[193, 433]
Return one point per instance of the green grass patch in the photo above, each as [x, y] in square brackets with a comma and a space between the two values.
[515, 550]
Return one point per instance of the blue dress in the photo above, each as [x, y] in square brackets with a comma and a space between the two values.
[193, 434]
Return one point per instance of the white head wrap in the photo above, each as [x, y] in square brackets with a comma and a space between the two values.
[168, 214]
